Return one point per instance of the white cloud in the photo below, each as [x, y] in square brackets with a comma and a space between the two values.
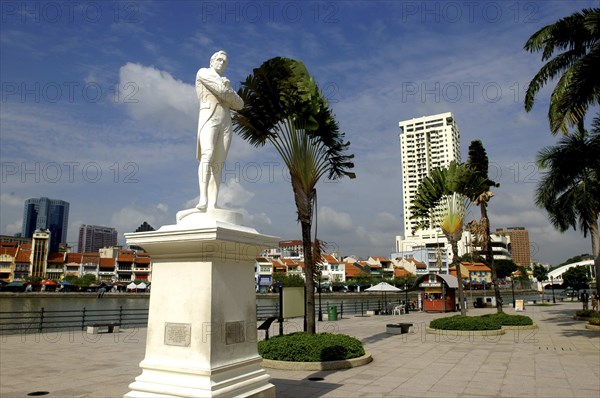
[155, 96]
[332, 220]
[387, 220]
[14, 228]
[129, 218]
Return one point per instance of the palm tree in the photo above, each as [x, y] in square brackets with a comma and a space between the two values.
[578, 37]
[569, 189]
[441, 201]
[478, 161]
[284, 107]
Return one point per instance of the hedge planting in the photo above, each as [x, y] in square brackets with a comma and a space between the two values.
[505, 319]
[587, 313]
[594, 321]
[303, 347]
[462, 322]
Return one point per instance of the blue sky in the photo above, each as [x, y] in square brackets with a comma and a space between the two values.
[98, 108]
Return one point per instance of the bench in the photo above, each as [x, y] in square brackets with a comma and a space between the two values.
[111, 327]
[266, 325]
[398, 328]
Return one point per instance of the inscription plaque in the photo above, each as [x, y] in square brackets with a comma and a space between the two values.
[178, 334]
[234, 332]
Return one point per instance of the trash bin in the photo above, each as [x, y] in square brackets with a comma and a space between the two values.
[332, 313]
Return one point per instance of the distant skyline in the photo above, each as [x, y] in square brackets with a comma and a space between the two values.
[98, 108]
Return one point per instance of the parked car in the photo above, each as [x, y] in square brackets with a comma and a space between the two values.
[570, 293]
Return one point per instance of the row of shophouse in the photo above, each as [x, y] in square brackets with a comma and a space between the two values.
[349, 271]
[20, 259]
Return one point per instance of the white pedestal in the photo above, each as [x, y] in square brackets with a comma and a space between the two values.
[202, 336]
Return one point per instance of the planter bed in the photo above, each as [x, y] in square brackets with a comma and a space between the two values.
[312, 366]
[452, 332]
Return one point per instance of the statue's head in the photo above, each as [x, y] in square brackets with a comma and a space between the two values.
[219, 61]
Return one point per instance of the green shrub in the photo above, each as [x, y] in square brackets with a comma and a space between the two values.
[595, 320]
[505, 319]
[461, 322]
[303, 347]
[587, 313]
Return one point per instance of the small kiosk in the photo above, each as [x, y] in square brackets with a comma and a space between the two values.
[439, 292]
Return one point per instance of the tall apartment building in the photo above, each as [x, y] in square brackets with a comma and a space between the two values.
[426, 143]
[94, 237]
[46, 214]
[519, 244]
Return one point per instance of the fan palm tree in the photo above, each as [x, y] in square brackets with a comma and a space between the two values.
[578, 37]
[284, 107]
[442, 200]
[478, 161]
[569, 189]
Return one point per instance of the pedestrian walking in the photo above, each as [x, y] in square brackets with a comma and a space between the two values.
[585, 298]
[595, 302]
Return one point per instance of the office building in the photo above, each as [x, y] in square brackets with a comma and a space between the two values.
[519, 244]
[46, 214]
[426, 143]
[40, 246]
[92, 238]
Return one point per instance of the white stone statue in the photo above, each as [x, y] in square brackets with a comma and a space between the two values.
[216, 98]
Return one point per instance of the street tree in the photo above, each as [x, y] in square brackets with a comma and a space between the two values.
[571, 49]
[284, 107]
[569, 187]
[478, 161]
[441, 201]
[576, 277]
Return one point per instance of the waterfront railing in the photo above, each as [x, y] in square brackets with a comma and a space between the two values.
[43, 320]
[17, 322]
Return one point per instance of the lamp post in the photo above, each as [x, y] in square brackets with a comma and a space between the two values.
[406, 296]
[552, 284]
[512, 284]
[320, 309]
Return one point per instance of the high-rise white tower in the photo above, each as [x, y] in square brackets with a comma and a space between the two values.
[426, 143]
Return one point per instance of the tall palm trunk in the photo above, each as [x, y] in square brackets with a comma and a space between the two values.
[489, 256]
[595, 235]
[304, 204]
[456, 263]
[309, 272]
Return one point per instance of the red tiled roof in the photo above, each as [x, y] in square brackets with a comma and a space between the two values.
[400, 272]
[330, 259]
[11, 251]
[23, 256]
[352, 270]
[56, 258]
[125, 257]
[286, 243]
[475, 266]
[142, 260]
[107, 263]
[74, 258]
[90, 258]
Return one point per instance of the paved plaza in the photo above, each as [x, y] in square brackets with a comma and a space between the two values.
[559, 359]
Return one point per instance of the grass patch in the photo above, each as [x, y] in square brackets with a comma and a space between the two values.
[303, 347]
